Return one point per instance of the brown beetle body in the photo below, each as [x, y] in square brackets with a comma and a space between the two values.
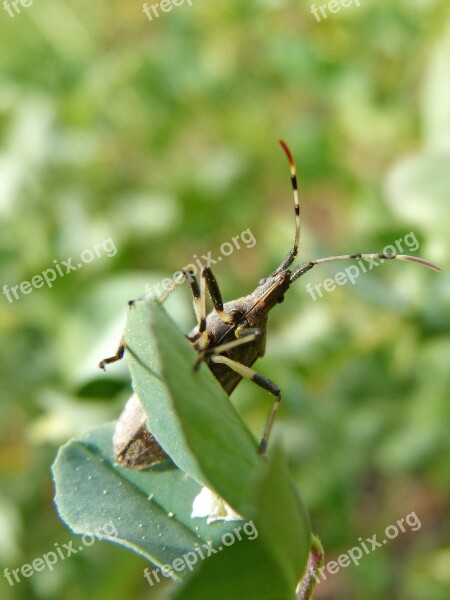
[251, 312]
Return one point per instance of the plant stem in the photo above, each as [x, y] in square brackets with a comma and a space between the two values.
[308, 582]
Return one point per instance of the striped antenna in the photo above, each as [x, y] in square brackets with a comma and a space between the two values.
[294, 251]
[302, 269]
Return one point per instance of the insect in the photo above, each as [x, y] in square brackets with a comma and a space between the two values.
[230, 338]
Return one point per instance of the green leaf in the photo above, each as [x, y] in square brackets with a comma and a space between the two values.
[150, 511]
[282, 520]
[188, 412]
[270, 565]
[245, 570]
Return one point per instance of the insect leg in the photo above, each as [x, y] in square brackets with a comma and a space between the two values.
[195, 291]
[201, 337]
[197, 307]
[262, 382]
[216, 296]
[115, 357]
[187, 275]
[208, 281]
[247, 335]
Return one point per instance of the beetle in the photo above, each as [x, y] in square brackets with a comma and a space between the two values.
[229, 339]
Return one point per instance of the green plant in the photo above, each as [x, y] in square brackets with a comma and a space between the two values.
[209, 446]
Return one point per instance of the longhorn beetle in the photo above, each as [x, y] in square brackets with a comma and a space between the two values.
[229, 339]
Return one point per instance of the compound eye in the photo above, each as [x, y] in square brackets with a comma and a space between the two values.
[263, 281]
[280, 299]
[236, 314]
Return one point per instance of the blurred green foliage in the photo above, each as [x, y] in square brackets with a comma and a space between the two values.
[162, 135]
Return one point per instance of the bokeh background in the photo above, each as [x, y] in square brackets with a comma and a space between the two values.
[163, 136]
